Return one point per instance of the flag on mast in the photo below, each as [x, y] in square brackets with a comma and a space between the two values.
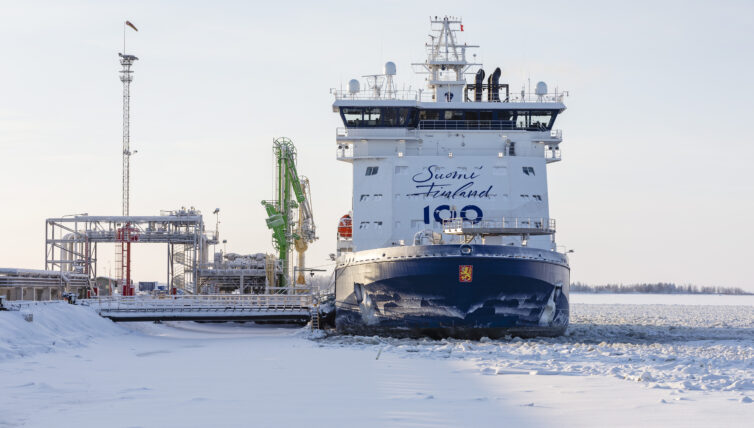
[461, 27]
[131, 25]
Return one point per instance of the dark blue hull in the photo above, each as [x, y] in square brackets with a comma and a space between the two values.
[466, 291]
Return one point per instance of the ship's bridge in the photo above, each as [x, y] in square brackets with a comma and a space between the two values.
[526, 116]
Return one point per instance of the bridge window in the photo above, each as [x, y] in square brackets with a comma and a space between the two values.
[530, 120]
[378, 117]
[540, 119]
[352, 116]
[504, 115]
[372, 116]
[534, 120]
[454, 114]
[528, 170]
[429, 114]
[390, 117]
[372, 170]
[407, 117]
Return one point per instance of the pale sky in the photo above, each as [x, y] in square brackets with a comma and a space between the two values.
[653, 185]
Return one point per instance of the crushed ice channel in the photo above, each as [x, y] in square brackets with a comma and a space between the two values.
[680, 347]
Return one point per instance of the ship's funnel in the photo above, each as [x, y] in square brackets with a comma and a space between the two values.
[478, 86]
[493, 86]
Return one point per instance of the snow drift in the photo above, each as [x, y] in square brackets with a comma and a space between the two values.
[52, 325]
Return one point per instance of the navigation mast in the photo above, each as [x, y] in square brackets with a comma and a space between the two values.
[446, 61]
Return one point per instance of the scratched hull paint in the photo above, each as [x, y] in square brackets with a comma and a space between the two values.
[426, 291]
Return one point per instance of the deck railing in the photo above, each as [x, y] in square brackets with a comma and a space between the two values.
[502, 226]
[427, 96]
[477, 125]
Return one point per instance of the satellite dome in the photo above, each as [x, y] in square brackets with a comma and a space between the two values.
[353, 86]
[389, 68]
[541, 89]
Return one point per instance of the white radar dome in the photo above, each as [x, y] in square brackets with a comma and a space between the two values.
[353, 86]
[541, 89]
[389, 68]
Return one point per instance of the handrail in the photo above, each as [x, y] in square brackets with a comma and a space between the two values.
[477, 125]
[427, 96]
[225, 301]
[403, 95]
[502, 226]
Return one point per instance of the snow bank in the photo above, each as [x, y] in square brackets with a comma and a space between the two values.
[662, 346]
[53, 325]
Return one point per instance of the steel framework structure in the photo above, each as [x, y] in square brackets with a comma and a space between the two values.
[71, 242]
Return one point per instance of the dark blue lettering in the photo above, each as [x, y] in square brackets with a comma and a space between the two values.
[476, 210]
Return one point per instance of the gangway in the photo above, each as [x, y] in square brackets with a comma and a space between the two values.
[292, 308]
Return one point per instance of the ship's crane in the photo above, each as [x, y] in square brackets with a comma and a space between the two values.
[289, 215]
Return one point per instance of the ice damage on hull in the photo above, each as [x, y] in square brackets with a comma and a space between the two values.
[425, 297]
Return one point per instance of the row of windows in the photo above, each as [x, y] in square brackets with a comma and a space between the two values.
[375, 197]
[409, 117]
[378, 117]
[365, 225]
[372, 170]
[398, 196]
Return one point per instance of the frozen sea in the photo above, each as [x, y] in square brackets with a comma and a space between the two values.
[627, 360]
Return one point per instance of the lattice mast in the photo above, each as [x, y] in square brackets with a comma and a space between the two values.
[126, 76]
[125, 233]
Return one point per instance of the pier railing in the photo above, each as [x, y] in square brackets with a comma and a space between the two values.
[202, 302]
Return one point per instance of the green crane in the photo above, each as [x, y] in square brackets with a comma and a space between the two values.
[291, 194]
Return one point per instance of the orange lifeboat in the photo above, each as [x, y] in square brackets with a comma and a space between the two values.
[345, 227]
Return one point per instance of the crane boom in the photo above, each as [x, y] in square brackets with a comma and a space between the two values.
[291, 194]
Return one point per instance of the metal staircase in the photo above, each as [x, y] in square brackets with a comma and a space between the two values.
[315, 317]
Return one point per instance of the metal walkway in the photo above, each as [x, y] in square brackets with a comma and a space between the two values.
[291, 308]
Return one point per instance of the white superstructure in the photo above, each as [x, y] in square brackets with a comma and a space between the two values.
[473, 152]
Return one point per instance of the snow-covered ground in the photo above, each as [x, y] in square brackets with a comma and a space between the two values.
[620, 365]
